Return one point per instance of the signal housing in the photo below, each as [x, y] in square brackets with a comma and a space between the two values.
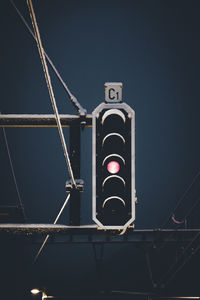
[113, 165]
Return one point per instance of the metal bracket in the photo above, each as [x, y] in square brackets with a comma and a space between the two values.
[69, 187]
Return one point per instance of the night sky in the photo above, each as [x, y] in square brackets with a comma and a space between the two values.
[153, 48]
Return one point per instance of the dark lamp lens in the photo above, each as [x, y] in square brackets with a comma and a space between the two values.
[113, 167]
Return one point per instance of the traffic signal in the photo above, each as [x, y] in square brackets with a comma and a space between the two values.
[113, 162]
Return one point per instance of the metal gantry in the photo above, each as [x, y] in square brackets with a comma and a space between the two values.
[75, 233]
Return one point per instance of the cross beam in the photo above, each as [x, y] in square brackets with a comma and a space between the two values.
[13, 120]
[91, 233]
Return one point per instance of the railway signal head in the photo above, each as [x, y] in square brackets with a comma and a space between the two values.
[113, 161]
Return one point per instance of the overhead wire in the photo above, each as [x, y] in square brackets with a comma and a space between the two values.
[178, 225]
[191, 208]
[189, 245]
[82, 111]
[55, 222]
[181, 199]
[13, 173]
[149, 269]
[50, 88]
[189, 211]
[185, 261]
[175, 221]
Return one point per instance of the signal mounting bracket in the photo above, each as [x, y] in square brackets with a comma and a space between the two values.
[79, 183]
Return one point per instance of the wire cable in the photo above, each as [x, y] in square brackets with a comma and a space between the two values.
[13, 172]
[189, 212]
[189, 245]
[77, 105]
[56, 220]
[50, 88]
[184, 262]
[182, 198]
[175, 221]
[150, 269]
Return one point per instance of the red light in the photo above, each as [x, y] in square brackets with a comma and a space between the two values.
[113, 167]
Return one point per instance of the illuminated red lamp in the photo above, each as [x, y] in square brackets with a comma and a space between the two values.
[113, 167]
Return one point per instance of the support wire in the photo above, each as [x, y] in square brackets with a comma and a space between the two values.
[189, 212]
[150, 269]
[50, 88]
[183, 263]
[181, 199]
[77, 105]
[174, 265]
[13, 172]
[56, 220]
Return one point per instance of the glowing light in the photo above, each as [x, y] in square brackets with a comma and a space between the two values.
[113, 167]
[35, 291]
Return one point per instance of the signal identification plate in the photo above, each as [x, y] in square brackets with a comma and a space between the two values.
[113, 92]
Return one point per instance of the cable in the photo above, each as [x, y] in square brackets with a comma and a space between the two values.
[77, 105]
[171, 216]
[50, 88]
[192, 208]
[123, 231]
[182, 255]
[175, 221]
[183, 264]
[184, 218]
[13, 172]
[149, 269]
[181, 198]
[56, 220]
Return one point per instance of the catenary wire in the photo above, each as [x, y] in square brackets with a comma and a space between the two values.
[189, 245]
[56, 220]
[13, 172]
[182, 265]
[73, 99]
[51, 93]
[149, 269]
[181, 198]
[189, 212]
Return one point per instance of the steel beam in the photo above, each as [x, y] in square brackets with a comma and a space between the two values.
[22, 120]
[91, 233]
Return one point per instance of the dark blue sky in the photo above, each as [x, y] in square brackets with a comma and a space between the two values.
[153, 48]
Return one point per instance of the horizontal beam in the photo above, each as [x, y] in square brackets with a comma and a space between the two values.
[91, 233]
[15, 120]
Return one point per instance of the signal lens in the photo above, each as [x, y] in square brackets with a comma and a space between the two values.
[113, 167]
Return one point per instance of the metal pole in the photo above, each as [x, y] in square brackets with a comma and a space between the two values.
[75, 204]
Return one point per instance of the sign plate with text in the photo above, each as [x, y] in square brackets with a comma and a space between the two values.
[113, 92]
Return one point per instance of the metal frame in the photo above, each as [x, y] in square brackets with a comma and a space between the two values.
[75, 123]
[146, 239]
